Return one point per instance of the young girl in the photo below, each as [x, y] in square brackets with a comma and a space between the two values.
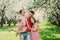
[34, 30]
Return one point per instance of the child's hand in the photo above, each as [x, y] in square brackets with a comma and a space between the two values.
[10, 30]
[17, 34]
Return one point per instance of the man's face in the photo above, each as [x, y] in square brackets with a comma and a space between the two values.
[30, 15]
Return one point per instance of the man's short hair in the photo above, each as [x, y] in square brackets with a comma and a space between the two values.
[32, 12]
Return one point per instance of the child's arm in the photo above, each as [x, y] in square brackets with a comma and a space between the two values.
[35, 27]
[18, 31]
[12, 30]
[19, 28]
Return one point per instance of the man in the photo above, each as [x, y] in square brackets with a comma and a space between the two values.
[28, 30]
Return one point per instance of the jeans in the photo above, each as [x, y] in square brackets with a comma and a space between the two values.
[25, 36]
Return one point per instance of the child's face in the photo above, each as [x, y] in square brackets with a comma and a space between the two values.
[32, 20]
[23, 13]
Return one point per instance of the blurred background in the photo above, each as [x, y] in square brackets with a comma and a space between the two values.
[47, 14]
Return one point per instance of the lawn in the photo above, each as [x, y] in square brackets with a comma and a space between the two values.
[47, 31]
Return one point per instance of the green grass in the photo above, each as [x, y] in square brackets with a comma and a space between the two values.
[47, 31]
[6, 27]
[5, 35]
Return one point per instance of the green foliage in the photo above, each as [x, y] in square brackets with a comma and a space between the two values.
[49, 32]
[52, 8]
[6, 27]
